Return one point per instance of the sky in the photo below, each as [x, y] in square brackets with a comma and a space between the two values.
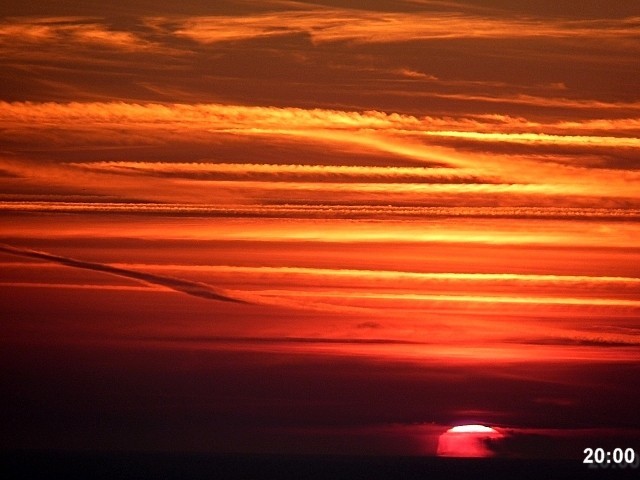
[320, 227]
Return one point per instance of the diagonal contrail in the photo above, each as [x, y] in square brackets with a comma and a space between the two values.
[195, 289]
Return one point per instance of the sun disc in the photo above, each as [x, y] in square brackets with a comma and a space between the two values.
[468, 441]
[472, 429]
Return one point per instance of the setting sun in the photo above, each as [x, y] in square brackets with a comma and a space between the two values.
[468, 441]
[471, 429]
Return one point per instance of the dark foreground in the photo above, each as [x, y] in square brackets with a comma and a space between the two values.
[48, 465]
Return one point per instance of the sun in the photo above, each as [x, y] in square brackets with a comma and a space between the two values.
[468, 441]
[472, 429]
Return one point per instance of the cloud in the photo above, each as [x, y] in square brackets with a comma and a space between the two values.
[406, 72]
[536, 301]
[590, 141]
[211, 118]
[431, 204]
[284, 340]
[195, 289]
[566, 443]
[300, 273]
[79, 204]
[612, 340]
[340, 25]
[158, 123]
[285, 172]
[83, 286]
[69, 32]
[371, 325]
[392, 134]
[207, 117]
[524, 445]
[411, 178]
[537, 101]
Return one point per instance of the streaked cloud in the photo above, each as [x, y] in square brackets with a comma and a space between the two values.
[396, 135]
[319, 210]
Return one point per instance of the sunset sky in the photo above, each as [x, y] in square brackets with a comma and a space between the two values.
[320, 227]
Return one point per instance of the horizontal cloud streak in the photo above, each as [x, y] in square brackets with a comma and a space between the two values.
[322, 210]
[207, 117]
[591, 141]
[406, 275]
[285, 172]
[212, 117]
[539, 101]
[478, 231]
[492, 299]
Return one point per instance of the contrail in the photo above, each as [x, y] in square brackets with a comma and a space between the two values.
[195, 289]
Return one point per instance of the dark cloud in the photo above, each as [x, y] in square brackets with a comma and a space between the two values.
[529, 445]
[195, 289]
[583, 341]
[283, 340]
[369, 325]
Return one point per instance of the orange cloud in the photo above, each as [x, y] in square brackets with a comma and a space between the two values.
[591, 141]
[204, 116]
[286, 172]
[76, 31]
[535, 101]
[335, 24]
[460, 231]
[256, 120]
[460, 178]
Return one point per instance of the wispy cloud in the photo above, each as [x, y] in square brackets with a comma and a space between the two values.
[547, 101]
[67, 32]
[334, 24]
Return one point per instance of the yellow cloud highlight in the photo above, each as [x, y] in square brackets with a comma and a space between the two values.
[395, 275]
[418, 297]
[591, 141]
[489, 231]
